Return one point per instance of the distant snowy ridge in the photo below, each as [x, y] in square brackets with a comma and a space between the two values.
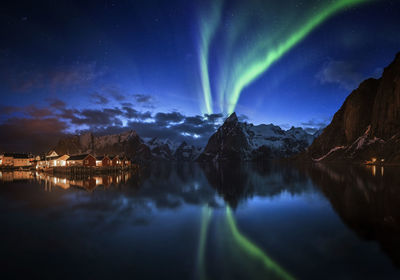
[240, 141]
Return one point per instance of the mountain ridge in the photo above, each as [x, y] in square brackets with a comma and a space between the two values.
[367, 126]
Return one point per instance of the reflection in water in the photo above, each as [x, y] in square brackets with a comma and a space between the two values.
[10, 176]
[253, 250]
[50, 181]
[205, 221]
[283, 212]
[367, 203]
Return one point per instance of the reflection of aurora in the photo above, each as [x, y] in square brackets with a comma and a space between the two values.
[241, 242]
[205, 221]
[259, 54]
[252, 249]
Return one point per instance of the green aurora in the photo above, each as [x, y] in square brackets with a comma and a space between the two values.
[208, 28]
[240, 241]
[240, 69]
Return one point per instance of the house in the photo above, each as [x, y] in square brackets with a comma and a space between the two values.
[103, 161]
[8, 160]
[21, 160]
[81, 160]
[62, 160]
[52, 154]
[16, 160]
[115, 161]
[125, 161]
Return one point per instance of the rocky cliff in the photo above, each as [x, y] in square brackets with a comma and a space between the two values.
[127, 143]
[238, 141]
[367, 126]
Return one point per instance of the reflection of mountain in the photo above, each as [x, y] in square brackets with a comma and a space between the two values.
[367, 201]
[239, 181]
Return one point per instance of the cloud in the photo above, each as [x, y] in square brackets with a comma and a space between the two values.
[30, 135]
[94, 118]
[314, 125]
[37, 129]
[116, 93]
[173, 117]
[341, 73]
[142, 98]
[57, 103]
[99, 99]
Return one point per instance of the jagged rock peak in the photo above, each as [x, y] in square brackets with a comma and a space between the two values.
[232, 118]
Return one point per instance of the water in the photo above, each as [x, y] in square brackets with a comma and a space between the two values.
[270, 221]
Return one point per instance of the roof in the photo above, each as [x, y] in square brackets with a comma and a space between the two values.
[113, 157]
[101, 157]
[21, 156]
[78, 157]
[52, 158]
[64, 157]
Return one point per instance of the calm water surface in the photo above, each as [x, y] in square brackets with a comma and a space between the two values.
[268, 221]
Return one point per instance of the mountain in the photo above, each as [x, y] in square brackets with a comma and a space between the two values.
[165, 149]
[128, 143]
[238, 141]
[367, 126]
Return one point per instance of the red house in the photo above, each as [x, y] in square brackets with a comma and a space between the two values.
[125, 161]
[81, 160]
[103, 161]
[115, 161]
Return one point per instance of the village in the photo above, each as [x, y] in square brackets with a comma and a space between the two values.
[55, 162]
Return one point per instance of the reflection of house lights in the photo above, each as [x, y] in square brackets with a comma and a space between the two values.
[373, 159]
[374, 170]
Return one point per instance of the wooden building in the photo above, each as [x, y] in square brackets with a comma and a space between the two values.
[125, 161]
[103, 161]
[16, 160]
[115, 161]
[81, 160]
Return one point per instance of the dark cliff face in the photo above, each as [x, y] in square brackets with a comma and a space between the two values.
[367, 123]
[228, 144]
[350, 122]
[386, 110]
[239, 141]
[128, 144]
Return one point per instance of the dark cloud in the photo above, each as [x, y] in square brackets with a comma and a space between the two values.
[142, 98]
[116, 93]
[30, 135]
[93, 118]
[57, 103]
[99, 98]
[345, 74]
[36, 112]
[214, 117]
[131, 113]
[314, 125]
[165, 118]
[39, 128]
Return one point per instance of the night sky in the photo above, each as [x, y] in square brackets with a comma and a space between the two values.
[176, 68]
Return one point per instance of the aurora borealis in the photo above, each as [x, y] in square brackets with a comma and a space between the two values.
[261, 54]
[120, 64]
